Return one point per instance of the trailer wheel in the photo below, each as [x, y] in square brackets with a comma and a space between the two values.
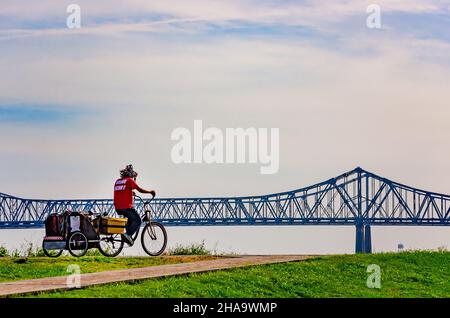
[78, 244]
[51, 253]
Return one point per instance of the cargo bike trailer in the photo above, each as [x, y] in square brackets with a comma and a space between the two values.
[78, 232]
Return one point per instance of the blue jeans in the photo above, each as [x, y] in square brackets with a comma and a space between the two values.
[134, 221]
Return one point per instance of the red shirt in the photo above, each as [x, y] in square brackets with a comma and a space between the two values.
[123, 193]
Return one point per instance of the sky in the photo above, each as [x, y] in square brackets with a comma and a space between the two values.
[76, 105]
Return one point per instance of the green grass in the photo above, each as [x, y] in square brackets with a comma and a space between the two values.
[407, 274]
[18, 268]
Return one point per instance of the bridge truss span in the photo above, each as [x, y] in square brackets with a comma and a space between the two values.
[357, 197]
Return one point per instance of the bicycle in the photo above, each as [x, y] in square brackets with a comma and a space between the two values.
[153, 234]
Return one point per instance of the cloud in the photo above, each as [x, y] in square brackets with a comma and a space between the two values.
[112, 17]
[363, 97]
[334, 111]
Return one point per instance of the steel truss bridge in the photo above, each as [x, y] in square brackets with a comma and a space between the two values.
[358, 197]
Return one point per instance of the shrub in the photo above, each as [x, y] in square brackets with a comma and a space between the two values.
[3, 252]
[27, 250]
[94, 252]
[193, 249]
[33, 251]
[15, 253]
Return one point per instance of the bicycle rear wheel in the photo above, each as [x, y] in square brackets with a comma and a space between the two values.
[154, 238]
[111, 245]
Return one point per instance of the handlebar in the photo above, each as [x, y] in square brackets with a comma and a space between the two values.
[146, 202]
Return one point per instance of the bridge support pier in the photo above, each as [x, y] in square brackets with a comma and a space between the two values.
[367, 239]
[363, 242]
[359, 242]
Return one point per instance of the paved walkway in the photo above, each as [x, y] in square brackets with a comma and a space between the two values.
[125, 275]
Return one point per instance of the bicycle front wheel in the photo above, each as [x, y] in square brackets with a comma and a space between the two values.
[154, 238]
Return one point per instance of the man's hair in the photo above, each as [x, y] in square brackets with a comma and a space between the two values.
[128, 172]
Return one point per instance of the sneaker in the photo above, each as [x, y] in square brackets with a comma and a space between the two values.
[127, 239]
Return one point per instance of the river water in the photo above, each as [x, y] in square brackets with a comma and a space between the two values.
[272, 239]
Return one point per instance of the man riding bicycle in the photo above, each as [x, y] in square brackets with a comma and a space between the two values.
[124, 203]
